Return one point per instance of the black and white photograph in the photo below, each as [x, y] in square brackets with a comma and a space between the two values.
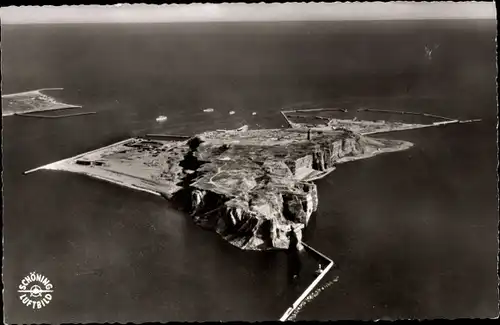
[249, 162]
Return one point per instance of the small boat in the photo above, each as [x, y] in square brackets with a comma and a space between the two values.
[254, 113]
[208, 110]
[244, 128]
[161, 118]
[319, 270]
[231, 112]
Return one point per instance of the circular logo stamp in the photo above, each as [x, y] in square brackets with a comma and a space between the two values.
[35, 290]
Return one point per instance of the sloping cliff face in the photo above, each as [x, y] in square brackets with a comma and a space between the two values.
[251, 187]
[261, 216]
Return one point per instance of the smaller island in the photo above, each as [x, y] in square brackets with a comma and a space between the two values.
[31, 102]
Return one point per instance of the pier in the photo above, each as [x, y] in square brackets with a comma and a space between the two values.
[53, 116]
[313, 284]
[404, 112]
[286, 118]
[425, 126]
[306, 116]
[316, 110]
[286, 114]
[170, 137]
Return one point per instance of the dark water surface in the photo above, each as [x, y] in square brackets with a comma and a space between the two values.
[414, 233]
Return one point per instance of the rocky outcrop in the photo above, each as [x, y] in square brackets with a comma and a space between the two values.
[249, 186]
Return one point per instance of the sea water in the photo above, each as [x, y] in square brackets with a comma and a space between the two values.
[413, 233]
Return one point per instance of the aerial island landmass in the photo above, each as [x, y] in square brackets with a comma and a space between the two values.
[250, 186]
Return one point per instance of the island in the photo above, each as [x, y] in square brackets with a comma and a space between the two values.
[32, 101]
[253, 187]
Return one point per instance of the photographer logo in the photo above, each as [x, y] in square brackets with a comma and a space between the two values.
[35, 290]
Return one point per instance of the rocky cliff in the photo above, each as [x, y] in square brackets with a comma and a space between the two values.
[251, 187]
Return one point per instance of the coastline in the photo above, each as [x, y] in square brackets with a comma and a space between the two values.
[122, 179]
[250, 187]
